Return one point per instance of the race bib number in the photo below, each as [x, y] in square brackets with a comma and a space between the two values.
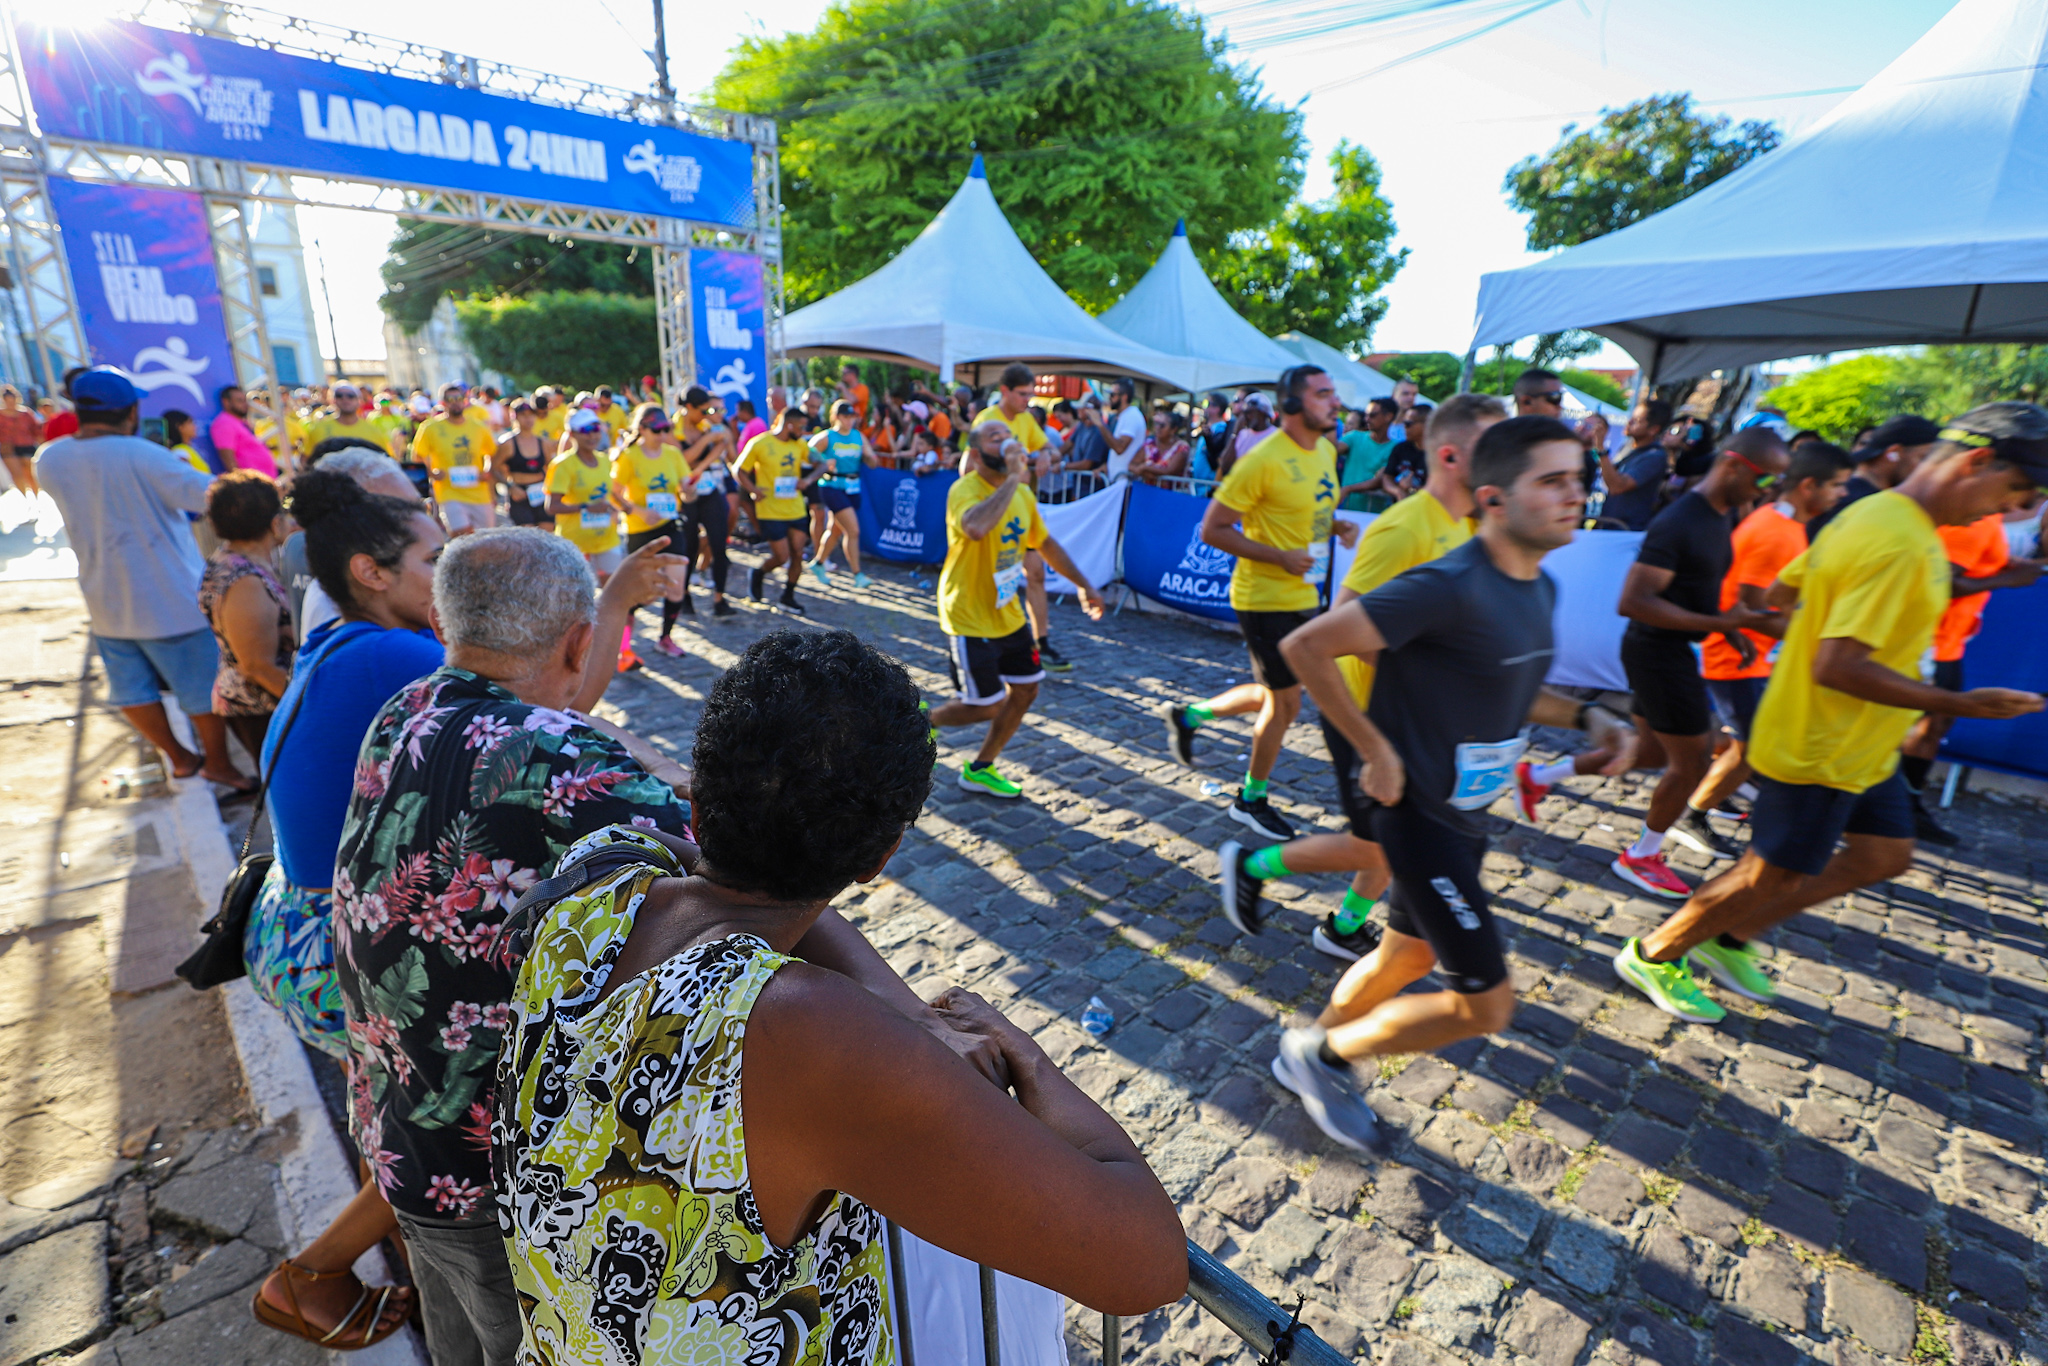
[1008, 581]
[464, 476]
[785, 486]
[1485, 772]
[595, 521]
[1318, 564]
[537, 495]
[662, 504]
[712, 479]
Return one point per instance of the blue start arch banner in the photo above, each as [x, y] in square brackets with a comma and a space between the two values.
[136, 86]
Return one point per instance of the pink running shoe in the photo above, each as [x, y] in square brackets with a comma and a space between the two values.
[669, 648]
[1528, 792]
[1653, 875]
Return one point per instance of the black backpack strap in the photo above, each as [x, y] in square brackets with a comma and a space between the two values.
[592, 867]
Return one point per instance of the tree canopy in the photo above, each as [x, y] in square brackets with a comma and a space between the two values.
[1636, 161]
[1101, 122]
[430, 259]
[1320, 269]
[1840, 400]
[578, 338]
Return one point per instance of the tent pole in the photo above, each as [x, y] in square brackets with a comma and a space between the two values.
[1465, 372]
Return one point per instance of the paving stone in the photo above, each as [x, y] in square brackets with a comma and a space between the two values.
[1583, 1255]
[1367, 1271]
[1238, 1105]
[1643, 1338]
[1741, 1343]
[1642, 1144]
[233, 1200]
[1818, 1119]
[1497, 1225]
[1673, 1268]
[1455, 1141]
[1571, 1123]
[1408, 1202]
[1334, 1186]
[1668, 1100]
[219, 1334]
[1423, 1080]
[53, 1293]
[1186, 1158]
[1487, 1099]
[1909, 1142]
[1610, 1191]
[1878, 1315]
[1736, 1162]
[1988, 1276]
[1770, 1285]
[1824, 1171]
[1288, 1239]
[221, 1271]
[1535, 1162]
[1180, 1009]
[1550, 1330]
[2001, 1179]
[1876, 1237]
[1709, 1214]
[1247, 1190]
[1896, 1185]
[1802, 1216]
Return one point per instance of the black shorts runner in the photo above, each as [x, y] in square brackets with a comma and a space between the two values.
[673, 530]
[528, 514]
[981, 665]
[773, 531]
[1794, 826]
[840, 500]
[1736, 699]
[1664, 675]
[1352, 802]
[1263, 632]
[1436, 895]
[1948, 675]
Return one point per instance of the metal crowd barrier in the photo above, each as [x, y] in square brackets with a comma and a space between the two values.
[1278, 1336]
[1183, 483]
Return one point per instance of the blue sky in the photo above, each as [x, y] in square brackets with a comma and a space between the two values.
[1445, 127]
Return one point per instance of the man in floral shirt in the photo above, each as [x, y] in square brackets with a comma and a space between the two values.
[470, 785]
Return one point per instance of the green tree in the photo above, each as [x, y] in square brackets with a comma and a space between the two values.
[1633, 163]
[1595, 386]
[1553, 349]
[428, 260]
[1319, 270]
[1840, 400]
[578, 338]
[1435, 372]
[1951, 380]
[1101, 121]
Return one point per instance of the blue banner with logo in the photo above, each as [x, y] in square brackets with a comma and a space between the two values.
[729, 319]
[903, 515]
[138, 86]
[148, 295]
[2010, 652]
[1166, 559]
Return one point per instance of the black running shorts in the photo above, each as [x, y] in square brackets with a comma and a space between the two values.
[982, 667]
[1664, 675]
[1794, 826]
[672, 530]
[1352, 802]
[1263, 632]
[1436, 895]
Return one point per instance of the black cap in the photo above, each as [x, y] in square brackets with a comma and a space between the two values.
[1903, 430]
[2017, 434]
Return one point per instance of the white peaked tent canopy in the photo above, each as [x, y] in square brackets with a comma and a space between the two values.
[1357, 383]
[1915, 212]
[1175, 309]
[967, 293]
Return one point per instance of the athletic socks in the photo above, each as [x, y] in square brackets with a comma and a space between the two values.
[975, 764]
[1353, 912]
[1331, 1058]
[1916, 770]
[1549, 774]
[1254, 788]
[1198, 715]
[669, 612]
[1649, 845]
[1729, 941]
[1267, 863]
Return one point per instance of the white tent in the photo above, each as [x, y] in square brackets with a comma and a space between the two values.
[1915, 212]
[967, 293]
[1357, 383]
[1175, 309]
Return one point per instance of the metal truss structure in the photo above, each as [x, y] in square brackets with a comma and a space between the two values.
[51, 332]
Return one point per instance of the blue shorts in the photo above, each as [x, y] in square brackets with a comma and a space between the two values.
[1794, 826]
[141, 671]
[773, 531]
[1736, 700]
[839, 500]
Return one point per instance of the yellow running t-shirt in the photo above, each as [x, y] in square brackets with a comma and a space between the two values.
[552, 423]
[595, 529]
[455, 452]
[363, 429]
[981, 589]
[775, 465]
[1879, 574]
[614, 419]
[1286, 496]
[656, 482]
[1023, 424]
[1414, 531]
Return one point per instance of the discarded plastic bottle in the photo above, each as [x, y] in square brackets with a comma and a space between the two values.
[1211, 788]
[1097, 1018]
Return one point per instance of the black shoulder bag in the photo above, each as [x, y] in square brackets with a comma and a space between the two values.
[218, 960]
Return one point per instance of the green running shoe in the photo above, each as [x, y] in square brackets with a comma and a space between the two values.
[1739, 970]
[989, 781]
[1670, 986]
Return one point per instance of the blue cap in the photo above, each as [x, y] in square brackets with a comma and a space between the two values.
[105, 388]
[977, 171]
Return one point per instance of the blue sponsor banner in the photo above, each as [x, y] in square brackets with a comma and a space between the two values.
[148, 296]
[903, 515]
[1166, 559]
[2010, 652]
[138, 86]
[728, 311]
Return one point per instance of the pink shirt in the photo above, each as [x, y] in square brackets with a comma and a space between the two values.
[239, 446]
[751, 430]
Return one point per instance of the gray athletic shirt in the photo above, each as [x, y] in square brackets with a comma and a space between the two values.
[1467, 649]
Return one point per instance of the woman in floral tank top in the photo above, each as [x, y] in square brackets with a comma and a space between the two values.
[245, 605]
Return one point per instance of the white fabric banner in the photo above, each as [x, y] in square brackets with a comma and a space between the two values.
[1086, 530]
[1340, 555]
[945, 1311]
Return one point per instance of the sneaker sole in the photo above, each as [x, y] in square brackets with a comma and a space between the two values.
[1313, 1107]
[1657, 1000]
[1727, 979]
[1227, 858]
[1173, 739]
[1248, 822]
[1634, 879]
[966, 785]
[1332, 947]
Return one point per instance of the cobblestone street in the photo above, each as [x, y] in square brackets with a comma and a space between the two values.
[1850, 1177]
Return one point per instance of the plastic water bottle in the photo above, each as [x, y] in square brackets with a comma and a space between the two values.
[1097, 1018]
[1211, 788]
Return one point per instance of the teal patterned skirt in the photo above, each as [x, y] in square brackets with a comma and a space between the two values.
[289, 951]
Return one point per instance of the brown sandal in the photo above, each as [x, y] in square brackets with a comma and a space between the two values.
[368, 1310]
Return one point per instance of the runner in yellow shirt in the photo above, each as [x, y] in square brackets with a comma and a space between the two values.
[992, 522]
[615, 418]
[770, 471]
[1434, 521]
[580, 497]
[347, 420]
[553, 417]
[651, 482]
[1845, 690]
[1013, 409]
[1285, 492]
[456, 446]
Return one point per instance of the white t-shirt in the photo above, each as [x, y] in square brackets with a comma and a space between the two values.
[316, 610]
[1130, 422]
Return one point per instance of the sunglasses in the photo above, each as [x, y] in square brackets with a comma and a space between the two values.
[1764, 478]
[1555, 396]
